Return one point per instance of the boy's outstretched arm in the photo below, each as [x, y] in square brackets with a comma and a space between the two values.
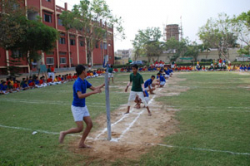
[81, 96]
[98, 87]
[128, 86]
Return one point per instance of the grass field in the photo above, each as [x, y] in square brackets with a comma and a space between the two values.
[214, 114]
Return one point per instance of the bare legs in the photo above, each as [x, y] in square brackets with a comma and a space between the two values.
[79, 129]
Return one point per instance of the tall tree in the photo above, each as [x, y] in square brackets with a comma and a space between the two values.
[147, 43]
[86, 17]
[25, 38]
[241, 27]
[219, 34]
[178, 48]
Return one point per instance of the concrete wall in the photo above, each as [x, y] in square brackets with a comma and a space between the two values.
[213, 54]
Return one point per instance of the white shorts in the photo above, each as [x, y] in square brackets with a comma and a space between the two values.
[219, 64]
[147, 99]
[166, 76]
[79, 112]
[148, 88]
[162, 83]
[111, 75]
[133, 95]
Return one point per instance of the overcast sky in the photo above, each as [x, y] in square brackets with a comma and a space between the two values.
[140, 14]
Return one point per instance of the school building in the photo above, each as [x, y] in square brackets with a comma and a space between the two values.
[70, 49]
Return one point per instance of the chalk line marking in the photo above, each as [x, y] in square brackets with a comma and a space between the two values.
[39, 131]
[203, 149]
[164, 145]
[123, 117]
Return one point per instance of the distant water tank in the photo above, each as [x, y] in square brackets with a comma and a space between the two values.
[172, 31]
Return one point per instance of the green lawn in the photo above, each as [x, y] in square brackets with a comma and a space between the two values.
[214, 114]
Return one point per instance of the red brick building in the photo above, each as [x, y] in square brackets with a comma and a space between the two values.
[70, 49]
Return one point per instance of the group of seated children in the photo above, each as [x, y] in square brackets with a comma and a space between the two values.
[243, 68]
[12, 85]
[183, 68]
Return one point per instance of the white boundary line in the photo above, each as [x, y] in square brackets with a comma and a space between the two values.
[203, 149]
[164, 145]
[39, 131]
[124, 116]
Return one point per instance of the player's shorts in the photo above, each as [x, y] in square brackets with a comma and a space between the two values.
[133, 95]
[162, 83]
[111, 75]
[79, 112]
[219, 64]
[166, 76]
[148, 88]
[147, 99]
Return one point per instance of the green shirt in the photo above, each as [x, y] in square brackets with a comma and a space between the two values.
[110, 70]
[49, 70]
[137, 82]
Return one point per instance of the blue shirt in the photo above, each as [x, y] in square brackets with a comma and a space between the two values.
[1, 86]
[167, 72]
[29, 81]
[80, 85]
[25, 85]
[162, 79]
[37, 82]
[147, 83]
[5, 87]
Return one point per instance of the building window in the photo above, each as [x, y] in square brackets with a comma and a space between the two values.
[62, 60]
[60, 22]
[62, 34]
[48, 0]
[50, 61]
[62, 53]
[62, 40]
[72, 36]
[47, 17]
[16, 54]
[97, 44]
[72, 42]
[81, 43]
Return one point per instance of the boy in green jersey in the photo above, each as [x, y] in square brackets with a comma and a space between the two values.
[137, 88]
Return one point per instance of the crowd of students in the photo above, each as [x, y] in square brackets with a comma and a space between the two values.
[12, 85]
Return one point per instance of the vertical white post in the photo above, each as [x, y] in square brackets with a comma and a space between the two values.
[107, 101]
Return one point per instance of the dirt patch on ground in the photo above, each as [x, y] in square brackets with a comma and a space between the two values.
[132, 134]
[244, 87]
[243, 73]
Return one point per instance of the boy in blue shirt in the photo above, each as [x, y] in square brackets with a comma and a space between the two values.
[148, 85]
[162, 80]
[79, 109]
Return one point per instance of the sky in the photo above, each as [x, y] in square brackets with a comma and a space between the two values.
[141, 14]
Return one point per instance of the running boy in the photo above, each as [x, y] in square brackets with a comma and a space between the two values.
[79, 109]
[137, 88]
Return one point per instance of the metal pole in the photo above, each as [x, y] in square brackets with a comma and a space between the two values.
[107, 104]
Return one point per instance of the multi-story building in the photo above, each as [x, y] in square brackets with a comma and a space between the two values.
[172, 30]
[124, 53]
[70, 49]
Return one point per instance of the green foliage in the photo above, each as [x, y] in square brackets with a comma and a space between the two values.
[86, 17]
[37, 37]
[26, 36]
[12, 27]
[147, 43]
[219, 34]
[177, 47]
[241, 27]
[244, 51]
